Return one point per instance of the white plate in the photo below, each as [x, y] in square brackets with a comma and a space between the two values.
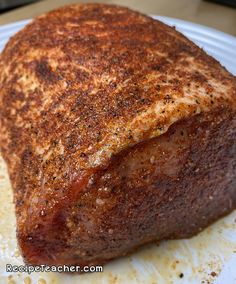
[214, 250]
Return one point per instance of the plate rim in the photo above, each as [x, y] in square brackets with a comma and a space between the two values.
[193, 24]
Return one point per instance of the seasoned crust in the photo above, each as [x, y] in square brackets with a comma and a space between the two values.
[85, 82]
[171, 186]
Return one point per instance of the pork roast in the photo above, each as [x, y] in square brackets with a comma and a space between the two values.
[117, 131]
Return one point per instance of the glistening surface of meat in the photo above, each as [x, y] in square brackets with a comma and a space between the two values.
[117, 131]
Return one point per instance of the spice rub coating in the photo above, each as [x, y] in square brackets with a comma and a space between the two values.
[78, 87]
